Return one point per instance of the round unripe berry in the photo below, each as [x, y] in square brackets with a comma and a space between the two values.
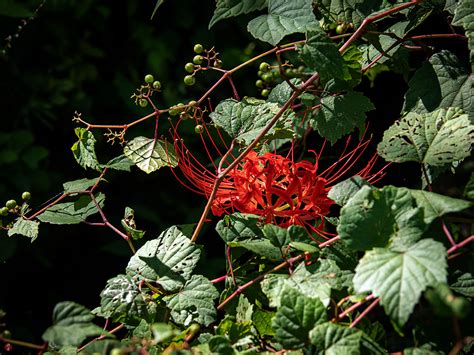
[218, 63]
[267, 77]
[259, 83]
[3, 211]
[11, 204]
[198, 59]
[199, 129]
[26, 195]
[173, 111]
[198, 48]
[275, 74]
[189, 67]
[264, 67]
[156, 85]
[189, 80]
[143, 103]
[149, 78]
[192, 103]
[260, 73]
[289, 72]
[265, 92]
[341, 29]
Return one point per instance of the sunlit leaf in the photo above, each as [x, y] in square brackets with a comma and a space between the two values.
[232, 8]
[25, 227]
[150, 154]
[84, 150]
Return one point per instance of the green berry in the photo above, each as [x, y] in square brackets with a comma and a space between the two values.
[11, 204]
[275, 74]
[3, 211]
[184, 115]
[289, 72]
[143, 103]
[265, 92]
[189, 67]
[264, 67]
[26, 195]
[156, 85]
[198, 48]
[199, 129]
[267, 77]
[173, 111]
[192, 103]
[260, 73]
[149, 78]
[189, 80]
[259, 83]
[218, 63]
[341, 29]
[198, 59]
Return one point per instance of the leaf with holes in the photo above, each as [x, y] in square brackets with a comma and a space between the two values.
[399, 277]
[84, 150]
[441, 82]
[282, 92]
[25, 227]
[72, 212]
[295, 317]
[339, 115]
[436, 138]
[150, 154]
[373, 217]
[194, 302]
[284, 18]
[123, 302]
[244, 120]
[232, 8]
[167, 260]
[72, 324]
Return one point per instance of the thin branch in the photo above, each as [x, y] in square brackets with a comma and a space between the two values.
[103, 336]
[364, 313]
[24, 344]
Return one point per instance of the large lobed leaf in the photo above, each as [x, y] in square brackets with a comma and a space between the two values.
[150, 154]
[373, 217]
[295, 317]
[244, 120]
[194, 302]
[232, 8]
[441, 82]
[72, 212]
[399, 277]
[284, 18]
[464, 16]
[436, 138]
[167, 260]
[25, 227]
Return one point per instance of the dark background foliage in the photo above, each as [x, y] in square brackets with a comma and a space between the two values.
[90, 57]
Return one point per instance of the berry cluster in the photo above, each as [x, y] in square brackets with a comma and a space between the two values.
[203, 60]
[11, 206]
[145, 91]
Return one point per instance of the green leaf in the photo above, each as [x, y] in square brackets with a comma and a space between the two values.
[72, 324]
[163, 332]
[343, 191]
[281, 93]
[445, 304]
[372, 217]
[435, 205]
[320, 54]
[25, 227]
[295, 317]
[72, 212]
[464, 284]
[238, 227]
[464, 16]
[262, 320]
[339, 115]
[128, 223]
[150, 154]
[425, 349]
[232, 8]
[121, 163]
[441, 82]
[244, 310]
[344, 257]
[167, 260]
[330, 338]
[437, 138]
[194, 302]
[312, 281]
[79, 185]
[469, 188]
[244, 120]
[399, 277]
[284, 18]
[84, 150]
[124, 302]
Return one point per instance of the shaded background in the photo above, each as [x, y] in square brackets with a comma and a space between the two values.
[90, 56]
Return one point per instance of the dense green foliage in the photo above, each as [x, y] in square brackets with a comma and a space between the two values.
[337, 218]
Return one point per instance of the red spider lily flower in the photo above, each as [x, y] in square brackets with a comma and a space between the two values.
[277, 188]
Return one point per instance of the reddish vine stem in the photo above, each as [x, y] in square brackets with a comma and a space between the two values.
[24, 344]
[374, 18]
[355, 306]
[461, 244]
[258, 278]
[103, 336]
[364, 313]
